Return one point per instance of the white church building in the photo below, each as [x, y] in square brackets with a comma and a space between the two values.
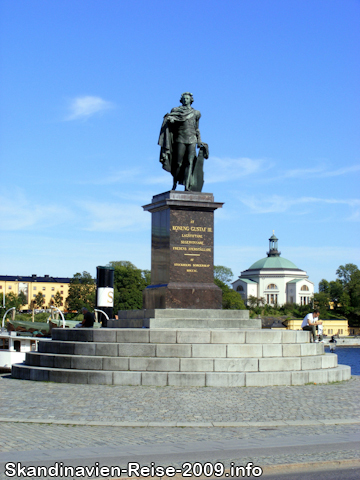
[275, 279]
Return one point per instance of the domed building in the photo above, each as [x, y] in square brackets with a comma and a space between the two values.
[275, 279]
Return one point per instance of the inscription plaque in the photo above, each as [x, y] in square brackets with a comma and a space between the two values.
[182, 251]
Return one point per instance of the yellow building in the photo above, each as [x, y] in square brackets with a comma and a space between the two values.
[32, 285]
[331, 326]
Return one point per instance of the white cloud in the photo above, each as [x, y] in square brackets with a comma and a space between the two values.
[85, 107]
[227, 169]
[320, 171]
[17, 212]
[281, 204]
[116, 177]
[110, 217]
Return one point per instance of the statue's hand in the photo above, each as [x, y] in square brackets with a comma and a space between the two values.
[199, 145]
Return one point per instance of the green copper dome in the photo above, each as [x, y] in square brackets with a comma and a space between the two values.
[272, 262]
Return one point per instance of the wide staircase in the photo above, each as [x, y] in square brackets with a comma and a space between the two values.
[181, 357]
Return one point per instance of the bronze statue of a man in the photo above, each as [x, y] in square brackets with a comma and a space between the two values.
[179, 136]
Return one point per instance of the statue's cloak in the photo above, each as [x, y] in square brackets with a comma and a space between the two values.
[178, 114]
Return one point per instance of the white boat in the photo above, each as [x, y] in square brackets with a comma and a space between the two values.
[13, 348]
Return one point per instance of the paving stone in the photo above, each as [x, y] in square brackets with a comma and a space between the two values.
[158, 379]
[280, 364]
[163, 336]
[87, 348]
[193, 336]
[127, 378]
[309, 363]
[274, 350]
[106, 349]
[173, 350]
[254, 351]
[155, 364]
[220, 380]
[135, 335]
[209, 351]
[231, 336]
[236, 364]
[196, 364]
[291, 350]
[181, 379]
[120, 363]
[137, 350]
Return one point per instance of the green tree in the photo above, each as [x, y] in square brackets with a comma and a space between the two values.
[129, 283]
[224, 274]
[58, 299]
[345, 273]
[321, 301]
[336, 289]
[39, 300]
[231, 300]
[13, 300]
[81, 292]
[324, 286]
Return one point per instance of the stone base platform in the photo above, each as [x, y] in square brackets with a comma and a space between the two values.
[181, 357]
[184, 318]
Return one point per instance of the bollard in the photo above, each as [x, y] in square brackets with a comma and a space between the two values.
[105, 292]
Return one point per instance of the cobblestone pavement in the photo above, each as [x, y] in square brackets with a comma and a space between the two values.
[280, 429]
[23, 399]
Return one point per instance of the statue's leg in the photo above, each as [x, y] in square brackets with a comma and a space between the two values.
[180, 152]
[191, 154]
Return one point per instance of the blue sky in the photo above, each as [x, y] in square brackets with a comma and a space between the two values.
[85, 85]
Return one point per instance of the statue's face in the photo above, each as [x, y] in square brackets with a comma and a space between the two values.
[186, 100]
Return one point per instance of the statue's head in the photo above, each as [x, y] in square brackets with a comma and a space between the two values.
[189, 95]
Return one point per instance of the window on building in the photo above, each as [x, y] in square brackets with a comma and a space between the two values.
[62, 291]
[0, 287]
[44, 288]
[10, 287]
[34, 288]
[34, 295]
[304, 288]
[52, 296]
[52, 289]
[240, 288]
[272, 286]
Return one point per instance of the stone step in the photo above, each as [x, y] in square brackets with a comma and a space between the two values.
[177, 364]
[182, 323]
[184, 313]
[182, 379]
[189, 335]
[181, 349]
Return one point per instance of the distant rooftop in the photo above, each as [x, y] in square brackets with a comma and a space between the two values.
[34, 278]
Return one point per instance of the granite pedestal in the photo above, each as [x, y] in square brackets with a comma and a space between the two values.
[182, 252]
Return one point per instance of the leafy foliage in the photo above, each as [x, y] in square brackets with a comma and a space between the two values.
[58, 299]
[13, 300]
[344, 292]
[129, 283]
[81, 292]
[224, 274]
[231, 300]
[39, 300]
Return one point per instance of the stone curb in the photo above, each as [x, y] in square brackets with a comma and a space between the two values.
[275, 423]
[274, 469]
